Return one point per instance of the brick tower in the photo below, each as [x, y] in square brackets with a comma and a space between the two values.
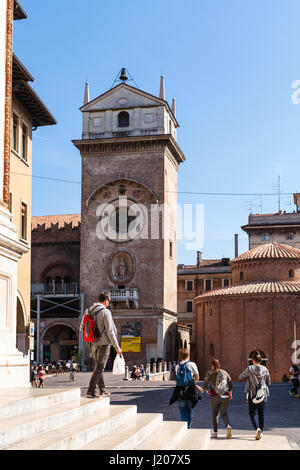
[130, 160]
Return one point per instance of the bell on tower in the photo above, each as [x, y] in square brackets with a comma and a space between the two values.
[123, 75]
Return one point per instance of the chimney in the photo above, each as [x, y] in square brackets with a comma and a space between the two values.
[199, 257]
[236, 245]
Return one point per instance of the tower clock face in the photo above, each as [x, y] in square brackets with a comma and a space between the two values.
[121, 220]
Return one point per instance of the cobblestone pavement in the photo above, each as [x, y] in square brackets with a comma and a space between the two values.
[282, 413]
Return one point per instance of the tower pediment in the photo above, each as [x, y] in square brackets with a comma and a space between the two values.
[127, 111]
[123, 96]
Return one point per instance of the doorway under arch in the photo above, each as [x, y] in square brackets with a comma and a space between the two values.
[21, 339]
[60, 343]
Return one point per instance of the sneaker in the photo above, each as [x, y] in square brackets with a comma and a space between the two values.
[214, 435]
[296, 396]
[258, 434]
[91, 395]
[229, 432]
[290, 394]
[104, 393]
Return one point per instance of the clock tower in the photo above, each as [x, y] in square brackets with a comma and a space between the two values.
[130, 160]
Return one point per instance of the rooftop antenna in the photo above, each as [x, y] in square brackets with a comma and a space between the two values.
[277, 188]
[122, 77]
[260, 203]
[249, 207]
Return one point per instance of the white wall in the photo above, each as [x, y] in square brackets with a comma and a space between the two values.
[2, 85]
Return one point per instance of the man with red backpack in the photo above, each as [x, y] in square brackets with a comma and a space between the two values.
[100, 330]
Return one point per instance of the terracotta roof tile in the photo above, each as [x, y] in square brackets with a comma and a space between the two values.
[269, 251]
[280, 287]
[54, 219]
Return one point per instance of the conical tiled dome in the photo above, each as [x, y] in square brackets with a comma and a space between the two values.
[269, 251]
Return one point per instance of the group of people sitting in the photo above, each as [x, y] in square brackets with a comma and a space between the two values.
[138, 372]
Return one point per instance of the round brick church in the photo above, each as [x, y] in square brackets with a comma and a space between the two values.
[261, 310]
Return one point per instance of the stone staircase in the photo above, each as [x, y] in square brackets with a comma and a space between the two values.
[58, 419]
[41, 419]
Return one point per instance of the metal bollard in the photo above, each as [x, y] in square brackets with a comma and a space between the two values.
[165, 367]
[154, 367]
[126, 373]
[169, 366]
[160, 367]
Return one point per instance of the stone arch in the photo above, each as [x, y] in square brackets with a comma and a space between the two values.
[171, 343]
[61, 343]
[59, 269]
[21, 329]
[121, 179]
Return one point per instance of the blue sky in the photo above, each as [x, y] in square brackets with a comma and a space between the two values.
[230, 65]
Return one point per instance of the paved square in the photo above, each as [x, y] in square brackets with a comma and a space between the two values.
[282, 413]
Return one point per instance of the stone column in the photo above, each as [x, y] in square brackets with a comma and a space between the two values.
[154, 368]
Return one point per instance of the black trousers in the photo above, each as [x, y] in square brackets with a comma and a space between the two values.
[295, 383]
[100, 356]
[260, 408]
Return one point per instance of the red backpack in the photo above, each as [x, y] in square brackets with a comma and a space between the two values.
[90, 328]
[88, 323]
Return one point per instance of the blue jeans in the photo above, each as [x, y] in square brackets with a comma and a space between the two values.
[186, 411]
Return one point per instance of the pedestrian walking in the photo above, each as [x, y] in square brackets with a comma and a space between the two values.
[107, 336]
[41, 376]
[34, 377]
[186, 390]
[258, 380]
[294, 374]
[218, 385]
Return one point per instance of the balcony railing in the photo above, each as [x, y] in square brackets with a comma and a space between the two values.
[130, 296]
[62, 288]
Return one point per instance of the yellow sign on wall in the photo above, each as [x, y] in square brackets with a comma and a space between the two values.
[131, 343]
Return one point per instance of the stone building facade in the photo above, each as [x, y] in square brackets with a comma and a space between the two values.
[282, 227]
[127, 246]
[20, 110]
[193, 280]
[130, 160]
[55, 251]
[261, 310]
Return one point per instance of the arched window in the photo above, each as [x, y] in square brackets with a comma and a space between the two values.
[58, 280]
[123, 119]
[291, 273]
[67, 279]
[241, 275]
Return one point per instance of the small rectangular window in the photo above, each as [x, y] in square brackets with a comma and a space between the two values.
[171, 249]
[225, 282]
[208, 284]
[24, 142]
[15, 133]
[265, 237]
[189, 285]
[289, 236]
[24, 221]
[10, 203]
[189, 306]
